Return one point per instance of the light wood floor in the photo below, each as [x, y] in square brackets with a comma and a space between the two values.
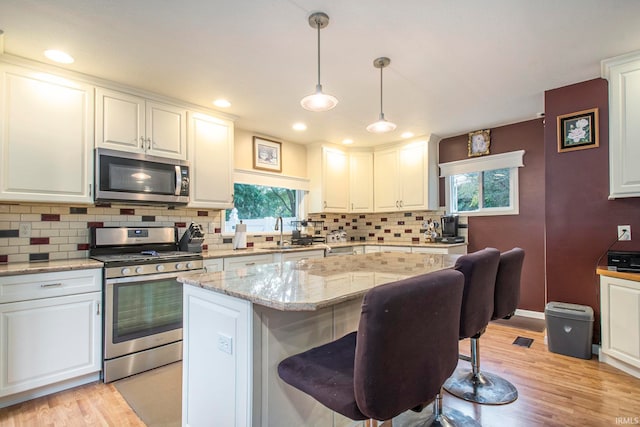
[554, 390]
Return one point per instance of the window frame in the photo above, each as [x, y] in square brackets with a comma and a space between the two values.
[512, 161]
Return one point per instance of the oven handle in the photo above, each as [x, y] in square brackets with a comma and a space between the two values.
[150, 277]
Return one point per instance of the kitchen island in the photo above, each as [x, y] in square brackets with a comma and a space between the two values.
[238, 325]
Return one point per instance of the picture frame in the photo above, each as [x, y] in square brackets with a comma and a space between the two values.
[578, 131]
[479, 142]
[267, 154]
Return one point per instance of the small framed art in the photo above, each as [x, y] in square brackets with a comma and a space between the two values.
[578, 131]
[267, 154]
[479, 142]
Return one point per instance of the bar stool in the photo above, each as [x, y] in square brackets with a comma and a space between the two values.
[405, 347]
[485, 387]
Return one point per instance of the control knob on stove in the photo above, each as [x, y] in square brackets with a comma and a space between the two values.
[160, 267]
[125, 271]
[178, 266]
[139, 270]
[189, 265]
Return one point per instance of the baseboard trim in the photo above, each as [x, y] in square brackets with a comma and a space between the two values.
[530, 313]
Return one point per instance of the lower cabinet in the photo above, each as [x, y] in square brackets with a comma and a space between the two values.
[299, 256]
[213, 264]
[620, 321]
[50, 340]
[235, 263]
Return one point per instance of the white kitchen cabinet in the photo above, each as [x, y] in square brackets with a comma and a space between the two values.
[396, 249]
[360, 182]
[212, 265]
[46, 137]
[620, 323]
[623, 74]
[50, 332]
[131, 123]
[211, 156]
[444, 250]
[245, 261]
[405, 178]
[328, 170]
[299, 255]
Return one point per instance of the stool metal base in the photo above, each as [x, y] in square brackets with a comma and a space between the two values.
[483, 387]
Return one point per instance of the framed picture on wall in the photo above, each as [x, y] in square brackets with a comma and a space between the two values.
[479, 142]
[267, 154]
[578, 131]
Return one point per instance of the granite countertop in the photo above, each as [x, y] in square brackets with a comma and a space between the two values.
[317, 283]
[48, 266]
[223, 253]
[604, 271]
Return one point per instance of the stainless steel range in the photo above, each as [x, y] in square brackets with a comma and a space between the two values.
[142, 298]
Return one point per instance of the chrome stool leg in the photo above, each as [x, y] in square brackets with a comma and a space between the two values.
[480, 387]
[447, 418]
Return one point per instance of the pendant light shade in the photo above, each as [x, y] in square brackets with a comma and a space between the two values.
[318, 101]
[382, 125]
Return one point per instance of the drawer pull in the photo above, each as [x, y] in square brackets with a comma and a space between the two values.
[98, 309]
[250, 263]
[51, 285]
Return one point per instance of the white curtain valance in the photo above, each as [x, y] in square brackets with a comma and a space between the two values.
[243, 176]
[513, 159]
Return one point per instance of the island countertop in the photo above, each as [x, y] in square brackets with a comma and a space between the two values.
[313, 284]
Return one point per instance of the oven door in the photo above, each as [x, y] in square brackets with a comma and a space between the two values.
[141, 313]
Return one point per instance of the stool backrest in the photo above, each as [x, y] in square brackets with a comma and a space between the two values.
[407, 342]
[507, 292]
[480, 269]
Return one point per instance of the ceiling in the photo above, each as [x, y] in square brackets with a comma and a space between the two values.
[456, 66]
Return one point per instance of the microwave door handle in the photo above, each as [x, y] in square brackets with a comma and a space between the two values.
[178, 181]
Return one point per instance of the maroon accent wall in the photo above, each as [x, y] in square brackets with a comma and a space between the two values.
[525, 230]
[581, 222]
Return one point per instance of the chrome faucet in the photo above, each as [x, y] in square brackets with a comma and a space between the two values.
[281, 242]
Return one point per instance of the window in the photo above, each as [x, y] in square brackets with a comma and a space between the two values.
[483, 186]
[258, 206]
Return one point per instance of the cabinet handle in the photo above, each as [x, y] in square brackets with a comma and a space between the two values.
[98, 309]
[142, 142]
[397, 204]
[233, 198]
[90, 190]
[351, 206]
[148, 143]
[51, 285]
[324, 204]
[250, 264]
[401, 203]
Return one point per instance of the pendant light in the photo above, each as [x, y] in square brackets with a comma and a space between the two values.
[318, 101]
[382, 125]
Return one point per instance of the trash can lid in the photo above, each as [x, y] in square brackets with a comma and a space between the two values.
[569, 311]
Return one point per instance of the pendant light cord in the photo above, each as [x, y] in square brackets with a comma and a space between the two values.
[381, 113]
[318, 27]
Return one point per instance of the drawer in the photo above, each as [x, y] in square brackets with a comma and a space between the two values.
[247, 261]
[44, 285]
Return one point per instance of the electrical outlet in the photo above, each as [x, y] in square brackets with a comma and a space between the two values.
[225, 344]
[624, 235]
[25, 229]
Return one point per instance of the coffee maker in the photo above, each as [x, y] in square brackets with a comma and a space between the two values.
[450, 230]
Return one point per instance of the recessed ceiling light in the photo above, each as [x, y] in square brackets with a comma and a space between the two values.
[222, 103]
[347, 141]
[407, 134]
[59, 56]
[299, 126]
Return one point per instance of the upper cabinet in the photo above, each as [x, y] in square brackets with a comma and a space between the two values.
[211, 157]
[130, 123]
[328, 170]
[360, 182]
[46, 137]
[623, 74]
[405, 178]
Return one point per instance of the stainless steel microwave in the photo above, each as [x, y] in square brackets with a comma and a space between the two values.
[139, 178]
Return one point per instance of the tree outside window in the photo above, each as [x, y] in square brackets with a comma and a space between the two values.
[258, 206]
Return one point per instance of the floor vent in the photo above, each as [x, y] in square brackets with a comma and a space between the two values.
[523, 342]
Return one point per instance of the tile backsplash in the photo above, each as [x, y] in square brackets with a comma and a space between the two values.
[38, 232]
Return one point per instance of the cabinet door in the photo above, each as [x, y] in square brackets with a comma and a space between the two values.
[120, 121]
[620, 317]
[412, 177]
[302, 255]
[624, 128]
[361, 182]
[385, 183]
[166, 130]
[213, 265]
[335, 175]
[235, 263]
[49, 340]
[46, 132]
[211, 157]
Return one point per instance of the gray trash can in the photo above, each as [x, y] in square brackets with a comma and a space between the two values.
[569, 329]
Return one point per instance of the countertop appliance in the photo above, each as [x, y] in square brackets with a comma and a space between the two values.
[140, 178]
[142, 298]
[450, 230]
[307, 232]
[628, 261]
[191, 240]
